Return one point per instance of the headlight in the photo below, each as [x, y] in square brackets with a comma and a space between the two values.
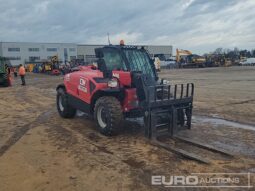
[113, 83]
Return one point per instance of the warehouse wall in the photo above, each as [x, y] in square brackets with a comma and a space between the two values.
[65, 51]
[19, 52]
[87, 52]
[153, 49]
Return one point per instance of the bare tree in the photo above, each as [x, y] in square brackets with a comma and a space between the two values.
[218, 51]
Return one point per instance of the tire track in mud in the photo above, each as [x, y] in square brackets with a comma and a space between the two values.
[126, 143]
[87, 155]
[110, 152]
[87, 134]
[123, 148]
[23, 96]
[108, 159]
[242, 102]
[20, 132]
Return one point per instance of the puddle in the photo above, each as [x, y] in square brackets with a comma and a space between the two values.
[218, 122]
[211, 120]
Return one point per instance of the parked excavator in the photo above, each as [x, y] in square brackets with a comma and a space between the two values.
[190, 60]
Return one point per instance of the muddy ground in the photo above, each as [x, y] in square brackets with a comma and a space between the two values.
[41, 151]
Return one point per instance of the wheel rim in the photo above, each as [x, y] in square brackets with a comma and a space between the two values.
[61, 107]
[101, 117]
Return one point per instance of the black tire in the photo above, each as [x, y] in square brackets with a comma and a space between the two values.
[4, 80]
[6, 83]
[108, 115]
[65, 110]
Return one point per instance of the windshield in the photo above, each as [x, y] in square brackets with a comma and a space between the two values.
[139, 61]
[113, 60]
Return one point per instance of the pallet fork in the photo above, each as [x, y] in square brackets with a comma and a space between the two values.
[168, 110]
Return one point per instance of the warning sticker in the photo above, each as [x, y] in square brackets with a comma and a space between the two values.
[82, 85]
[82, 88]
[82, 82]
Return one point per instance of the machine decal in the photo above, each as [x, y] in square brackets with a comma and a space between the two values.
[82, 82]
[82, 88]
[82, 85]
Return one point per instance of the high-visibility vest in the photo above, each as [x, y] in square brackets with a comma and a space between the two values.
[22, 71]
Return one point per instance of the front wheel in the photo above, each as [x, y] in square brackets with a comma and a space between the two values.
[108, 115]
[64, 108]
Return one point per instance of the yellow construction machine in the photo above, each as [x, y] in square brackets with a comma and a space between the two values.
[180, 52]
[52, 66]
[191, 60]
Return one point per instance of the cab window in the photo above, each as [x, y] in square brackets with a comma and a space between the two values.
[113, 60]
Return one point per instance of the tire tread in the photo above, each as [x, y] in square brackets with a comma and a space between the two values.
[69, 111]
[115, 112]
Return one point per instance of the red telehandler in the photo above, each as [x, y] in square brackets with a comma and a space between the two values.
[125, 84]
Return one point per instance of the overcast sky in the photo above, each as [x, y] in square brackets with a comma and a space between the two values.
[197, 25]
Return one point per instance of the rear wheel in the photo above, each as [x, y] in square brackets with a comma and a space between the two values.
[64, 108]
[6, 83]
[108, 114]
[4, 80]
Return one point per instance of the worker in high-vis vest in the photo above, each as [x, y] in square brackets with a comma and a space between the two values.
[22, 73]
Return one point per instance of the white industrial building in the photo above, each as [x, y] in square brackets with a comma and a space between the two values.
[21, 52]
[29, 52]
